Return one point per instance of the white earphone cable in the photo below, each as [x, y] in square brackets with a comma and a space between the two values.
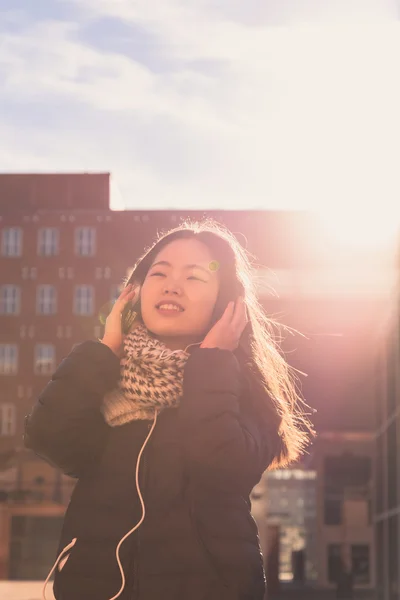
[143, 512]
[73, 542]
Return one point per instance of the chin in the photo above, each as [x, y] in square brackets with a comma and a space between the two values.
[171, 330]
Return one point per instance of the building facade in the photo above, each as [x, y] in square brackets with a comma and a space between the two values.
[291, 501]
[63, 256]
[387, 457]
[345, 531]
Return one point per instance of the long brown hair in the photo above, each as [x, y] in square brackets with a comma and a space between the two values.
[271, 379]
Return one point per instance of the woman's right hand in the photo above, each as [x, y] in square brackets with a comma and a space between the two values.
[113, 336]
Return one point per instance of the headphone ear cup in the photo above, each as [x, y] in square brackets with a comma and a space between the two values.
[138, 309]
[130, 314]
[127, 319]
[226, 295]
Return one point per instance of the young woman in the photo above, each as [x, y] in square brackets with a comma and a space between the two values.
[168, 427]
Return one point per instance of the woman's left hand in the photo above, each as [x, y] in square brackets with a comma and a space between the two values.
[226, 333]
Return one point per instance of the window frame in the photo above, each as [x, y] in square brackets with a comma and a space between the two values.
[8, 431]
[81, 243]
[49, 366]
[16, 245]
[41, 287]
[13, 359]
[49, 242]
[4, 301]
[79, 302]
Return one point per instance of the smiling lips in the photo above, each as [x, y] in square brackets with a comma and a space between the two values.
[169, 308]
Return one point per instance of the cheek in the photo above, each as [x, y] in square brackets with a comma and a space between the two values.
[203, 300]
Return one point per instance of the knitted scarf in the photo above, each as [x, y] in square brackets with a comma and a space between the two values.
[151, 379]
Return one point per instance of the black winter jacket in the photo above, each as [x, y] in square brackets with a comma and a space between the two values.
[198, 540]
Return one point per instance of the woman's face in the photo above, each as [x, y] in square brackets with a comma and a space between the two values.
[179, 293]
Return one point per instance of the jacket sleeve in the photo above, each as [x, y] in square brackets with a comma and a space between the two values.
[66, 427]
[224, 445]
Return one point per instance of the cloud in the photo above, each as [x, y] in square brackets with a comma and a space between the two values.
[191, 105]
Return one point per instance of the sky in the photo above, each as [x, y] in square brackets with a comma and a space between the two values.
[207, 103]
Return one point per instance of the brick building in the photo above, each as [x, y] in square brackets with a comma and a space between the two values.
[63, 255]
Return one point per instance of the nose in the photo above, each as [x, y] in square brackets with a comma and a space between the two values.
[172, 287]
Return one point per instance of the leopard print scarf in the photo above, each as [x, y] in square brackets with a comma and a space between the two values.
[150, 380]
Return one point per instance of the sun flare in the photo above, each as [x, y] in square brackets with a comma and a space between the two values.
[361, 227]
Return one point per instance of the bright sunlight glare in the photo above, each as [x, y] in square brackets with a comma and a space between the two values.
[360, 227]
[335, 133]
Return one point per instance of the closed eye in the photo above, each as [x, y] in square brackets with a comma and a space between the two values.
[159, 274]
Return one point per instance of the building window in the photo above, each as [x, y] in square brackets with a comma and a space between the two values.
[8, 359]
[344, 474]
[48, 241]
[360, 563]
[44, 359]
[12, 241]
[46, 301]
[335, 564]
[10, 299]
[332, 507]
[85, 238]
[84, 300]
[8, 419]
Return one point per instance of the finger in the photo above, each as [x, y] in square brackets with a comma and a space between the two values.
[126, 290]
[238, 327]
[134, 293]
[228, 312]
[123, 294]
[240, 315]
[129, 297]
[124, 297]
[131, 294]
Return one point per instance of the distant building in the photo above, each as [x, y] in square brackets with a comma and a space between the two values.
[345, 533]
[291, 502]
